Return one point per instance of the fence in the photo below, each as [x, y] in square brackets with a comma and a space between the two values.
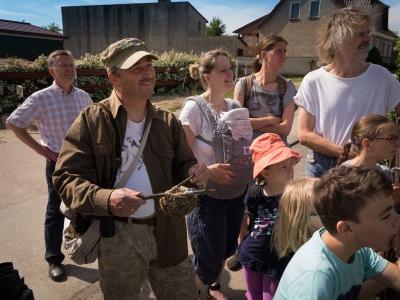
[242, 67]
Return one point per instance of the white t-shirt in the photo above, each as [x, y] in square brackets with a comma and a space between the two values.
[337, 103]
[139, 180]
[192, 116]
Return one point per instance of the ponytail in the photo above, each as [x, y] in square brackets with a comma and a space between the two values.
[345, 154]
[256, 65]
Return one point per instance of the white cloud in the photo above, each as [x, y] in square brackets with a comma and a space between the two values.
[236, 16]
[394, 18]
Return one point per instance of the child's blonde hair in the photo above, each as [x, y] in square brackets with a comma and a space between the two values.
[292, 229]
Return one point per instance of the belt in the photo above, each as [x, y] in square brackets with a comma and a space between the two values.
[148, 221]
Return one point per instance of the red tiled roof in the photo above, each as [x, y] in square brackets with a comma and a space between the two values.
[342, 2]
[257, 23]
[27, 29]
[388, 32]
[271, 13]
[254, 25]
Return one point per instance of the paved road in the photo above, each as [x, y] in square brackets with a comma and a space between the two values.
[23, 194]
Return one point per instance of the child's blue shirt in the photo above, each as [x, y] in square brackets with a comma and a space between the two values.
[316, 273]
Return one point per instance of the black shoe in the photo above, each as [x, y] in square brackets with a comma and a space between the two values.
[56, 272]
[233, 263]
[12, 286]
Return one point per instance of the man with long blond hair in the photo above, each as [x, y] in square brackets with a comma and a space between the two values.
[346, 87]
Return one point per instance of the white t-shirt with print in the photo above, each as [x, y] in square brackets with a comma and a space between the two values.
[337, 103]
[139, 180]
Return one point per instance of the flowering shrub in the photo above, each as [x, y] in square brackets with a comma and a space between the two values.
[178, 62]
[89, 61]
[175, 68]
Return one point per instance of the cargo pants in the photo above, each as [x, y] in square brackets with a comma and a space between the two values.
[129, 258]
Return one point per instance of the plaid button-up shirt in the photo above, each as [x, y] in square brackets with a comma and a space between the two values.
[54, 110]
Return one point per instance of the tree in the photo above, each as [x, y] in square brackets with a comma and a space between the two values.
[397, 49]
[216, 27]
[374, 56]
[397, 61]
[53, 27]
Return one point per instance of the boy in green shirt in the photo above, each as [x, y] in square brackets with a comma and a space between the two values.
[356, 208]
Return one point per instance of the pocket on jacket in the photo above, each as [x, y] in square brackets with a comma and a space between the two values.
[104, 161]
[163, 164]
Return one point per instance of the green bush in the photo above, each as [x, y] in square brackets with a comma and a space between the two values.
[398, 60]
[89, 61]
[169, 60]
[374, 56]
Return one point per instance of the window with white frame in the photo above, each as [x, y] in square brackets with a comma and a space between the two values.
[314, 8]
[389, 50]
[294, 10]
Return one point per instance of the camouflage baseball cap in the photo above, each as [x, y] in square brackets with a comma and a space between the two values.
[124, 53]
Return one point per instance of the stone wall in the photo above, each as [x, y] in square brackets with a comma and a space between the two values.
[299, 66]
[197, 24]
[162, 26]
[294, 66]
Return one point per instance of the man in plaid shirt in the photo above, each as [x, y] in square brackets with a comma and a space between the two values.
[54, 109]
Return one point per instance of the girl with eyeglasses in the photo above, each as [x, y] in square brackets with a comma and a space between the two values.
[374, 138]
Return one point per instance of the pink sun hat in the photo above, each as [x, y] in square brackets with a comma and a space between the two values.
[269, 149]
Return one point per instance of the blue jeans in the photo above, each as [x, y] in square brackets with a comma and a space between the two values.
[54, 220]
[214, 227]
[317, 164]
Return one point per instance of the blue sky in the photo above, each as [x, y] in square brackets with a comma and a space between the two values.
[234, 13]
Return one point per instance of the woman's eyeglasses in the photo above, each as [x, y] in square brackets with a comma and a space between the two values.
[392, 139]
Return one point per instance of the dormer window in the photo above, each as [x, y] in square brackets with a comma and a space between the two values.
[314, 8]
[294, 10]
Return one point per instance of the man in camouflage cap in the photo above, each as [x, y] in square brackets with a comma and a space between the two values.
[147, 244]
[124, 54]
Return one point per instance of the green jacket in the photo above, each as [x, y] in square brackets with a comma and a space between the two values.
[86, 168]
